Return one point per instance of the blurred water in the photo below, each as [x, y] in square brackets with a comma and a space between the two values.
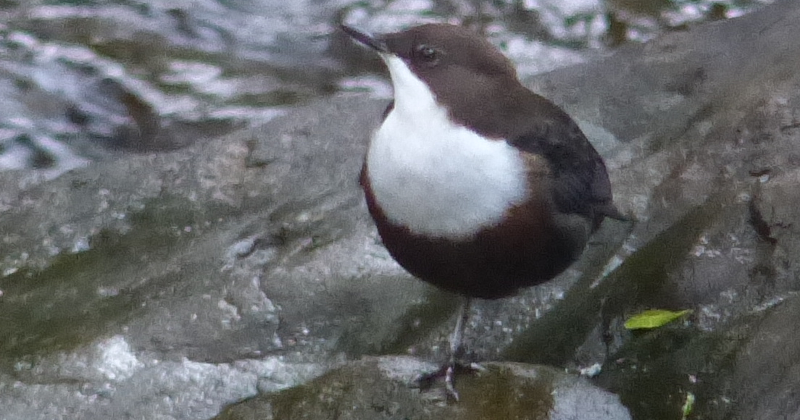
[84, 80]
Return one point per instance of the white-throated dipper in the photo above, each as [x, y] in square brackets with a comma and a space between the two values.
[476, 184]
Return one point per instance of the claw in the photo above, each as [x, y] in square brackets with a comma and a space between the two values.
[447, 371]
[450, 383]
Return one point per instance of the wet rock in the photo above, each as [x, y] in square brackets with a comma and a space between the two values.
[744, 370]
[380, 388]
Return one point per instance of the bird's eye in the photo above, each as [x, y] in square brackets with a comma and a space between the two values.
[427, 53]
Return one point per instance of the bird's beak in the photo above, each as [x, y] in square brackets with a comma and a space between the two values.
[371, 41]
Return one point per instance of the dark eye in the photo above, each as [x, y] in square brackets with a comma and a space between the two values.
[427, 53]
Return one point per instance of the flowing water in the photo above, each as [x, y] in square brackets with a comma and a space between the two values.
[84, 80]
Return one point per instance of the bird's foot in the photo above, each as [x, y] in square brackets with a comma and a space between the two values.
[448, 372]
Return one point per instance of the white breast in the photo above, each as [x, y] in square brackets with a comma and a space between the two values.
[434, 177]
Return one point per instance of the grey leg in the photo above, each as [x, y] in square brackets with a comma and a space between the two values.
[456, 348]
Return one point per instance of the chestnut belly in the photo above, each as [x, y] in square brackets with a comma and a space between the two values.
[526, 248]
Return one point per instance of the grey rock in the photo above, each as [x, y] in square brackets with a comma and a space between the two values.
[378, 388]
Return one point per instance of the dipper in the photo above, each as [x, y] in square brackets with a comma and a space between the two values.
[476, 184]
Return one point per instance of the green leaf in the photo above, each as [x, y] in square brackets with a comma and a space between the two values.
[653, 318]
[688, 405]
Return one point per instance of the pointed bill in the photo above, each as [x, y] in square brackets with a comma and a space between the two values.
[366, 39]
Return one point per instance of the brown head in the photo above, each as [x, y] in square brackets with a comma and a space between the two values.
[461, 69]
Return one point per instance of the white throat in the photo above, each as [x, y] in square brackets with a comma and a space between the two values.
[434, 177]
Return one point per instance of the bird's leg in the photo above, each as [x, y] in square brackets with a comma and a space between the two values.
[456, 348]
[452, 366]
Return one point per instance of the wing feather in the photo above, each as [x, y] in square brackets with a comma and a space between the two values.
[580, 183]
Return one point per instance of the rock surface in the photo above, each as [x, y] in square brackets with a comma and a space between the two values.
[378, 388]
[170, 285]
